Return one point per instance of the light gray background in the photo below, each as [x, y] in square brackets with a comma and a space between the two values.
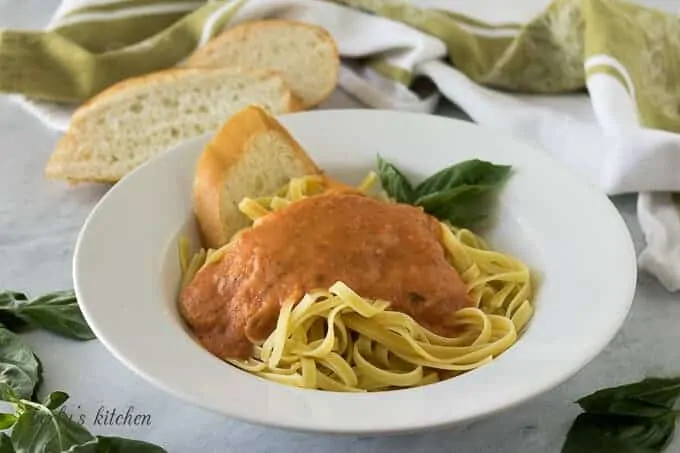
[39, 223]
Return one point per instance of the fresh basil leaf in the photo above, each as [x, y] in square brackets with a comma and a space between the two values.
[463, 206]
[593, 433]
[12, 322]
[459, 194]
[627, 407]
[57, 312]
[394, 183]
[645, 395]
[7, 420]
[468, 173]
[122, 445]
[7, 393]
[55, 399]
[661, 391]
[11, 299]
[6, 444]
[40, 430]
[19, 368]
[40, 379]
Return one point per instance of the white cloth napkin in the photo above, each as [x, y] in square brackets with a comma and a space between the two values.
[598, 135]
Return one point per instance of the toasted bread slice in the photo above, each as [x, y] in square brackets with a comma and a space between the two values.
[251, 156]
[305, 55]
[137, 119]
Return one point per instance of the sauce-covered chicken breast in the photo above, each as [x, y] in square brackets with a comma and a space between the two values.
[381, 250]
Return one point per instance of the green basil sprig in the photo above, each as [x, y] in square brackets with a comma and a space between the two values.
[631, 418]
[394, 182]
[19, 367]
[37, 427]
[6, 444]
[459, 194]
[40, 428]
[57, 312]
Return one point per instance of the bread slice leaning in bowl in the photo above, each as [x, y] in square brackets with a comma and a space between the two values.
[252, 155]
[305, 55]
[138, 118]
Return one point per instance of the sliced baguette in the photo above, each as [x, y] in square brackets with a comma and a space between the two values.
[252, 155]
[136, 119]
[305, 55]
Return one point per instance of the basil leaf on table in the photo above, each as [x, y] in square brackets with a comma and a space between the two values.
[7, 420]
[9, 320]
[11, 297]
[468, 173]
[121, 445]
[647, 395]
[7, 393]
[19, 368]
[627, 407]
[593, 433]
[395, 184]
[38, 429]
[632, 418]
[55, 399]
[57, 312]
[6, 444]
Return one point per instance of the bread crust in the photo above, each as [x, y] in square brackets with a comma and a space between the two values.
[219, 158]
[236, 34]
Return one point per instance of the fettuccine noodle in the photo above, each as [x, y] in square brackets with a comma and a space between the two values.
[334, 339]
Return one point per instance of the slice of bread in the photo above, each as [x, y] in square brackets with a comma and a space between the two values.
[252, 155]
[305, 55]
[136, 119]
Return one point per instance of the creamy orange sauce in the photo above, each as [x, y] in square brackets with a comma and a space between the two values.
[380, 250]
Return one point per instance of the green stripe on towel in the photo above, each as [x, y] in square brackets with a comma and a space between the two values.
[51, 67]
[116, 34]
[115, 6]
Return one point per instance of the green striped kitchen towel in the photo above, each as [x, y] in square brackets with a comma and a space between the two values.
[592, 81]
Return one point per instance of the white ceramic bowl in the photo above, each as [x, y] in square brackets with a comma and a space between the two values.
[126, 276]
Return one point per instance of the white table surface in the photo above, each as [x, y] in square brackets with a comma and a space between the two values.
[39, 223]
